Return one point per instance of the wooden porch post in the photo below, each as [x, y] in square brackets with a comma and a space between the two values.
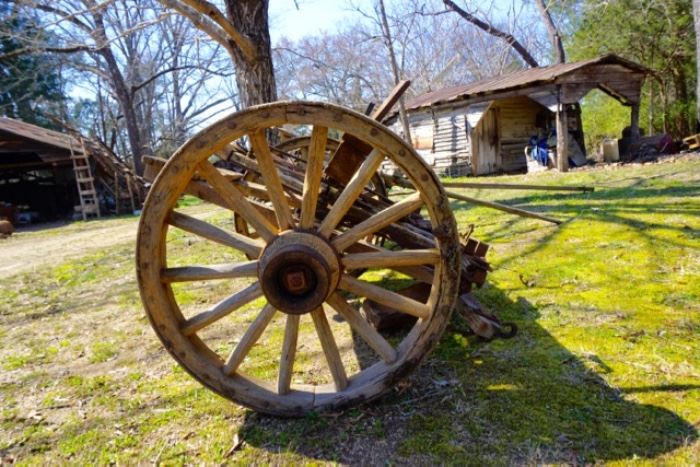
[634, 121]
[562, 139]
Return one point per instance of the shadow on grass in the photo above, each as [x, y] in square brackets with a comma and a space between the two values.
[523, 400]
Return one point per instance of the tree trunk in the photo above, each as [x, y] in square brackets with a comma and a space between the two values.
[123, 94]
[395, 70]
[554, 36]
[696, 14]
[681, 87]
[255, 78]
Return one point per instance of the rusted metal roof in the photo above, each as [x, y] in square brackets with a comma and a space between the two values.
[39, 134]
[525, 78]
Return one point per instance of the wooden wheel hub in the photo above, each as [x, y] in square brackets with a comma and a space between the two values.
[298, 271]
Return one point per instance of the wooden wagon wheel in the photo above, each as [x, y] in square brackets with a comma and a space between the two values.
[300, 271]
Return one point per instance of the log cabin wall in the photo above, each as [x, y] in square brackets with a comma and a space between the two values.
[450, 135]
[441, 137]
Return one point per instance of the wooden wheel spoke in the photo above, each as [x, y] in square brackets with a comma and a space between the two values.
[249, 339]
[378, 221]
[210, 272]
[237, 201]
[351, 192]
[271, 176]
[384, 296]
[205, 230]
[312, 178]
[391, 259]
[363, 328]
[423, 273]
[289, 350]
[221, 309]
[330, 348]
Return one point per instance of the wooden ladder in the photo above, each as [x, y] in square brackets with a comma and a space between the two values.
[89, 203]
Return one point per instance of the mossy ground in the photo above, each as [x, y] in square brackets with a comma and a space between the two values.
[605, 368]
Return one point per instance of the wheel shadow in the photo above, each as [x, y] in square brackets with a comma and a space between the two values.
[528, 399]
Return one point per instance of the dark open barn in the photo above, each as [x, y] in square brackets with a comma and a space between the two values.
[37, 181]
[46, 175]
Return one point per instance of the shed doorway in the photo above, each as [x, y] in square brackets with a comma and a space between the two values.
[486, 143]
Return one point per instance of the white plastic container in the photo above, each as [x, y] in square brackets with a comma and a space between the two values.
[611, 153]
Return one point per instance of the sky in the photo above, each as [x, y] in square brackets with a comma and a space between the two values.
[312, 17]
[315, 16]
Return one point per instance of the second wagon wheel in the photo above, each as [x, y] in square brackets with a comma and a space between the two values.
[296, 151]
[258, 331]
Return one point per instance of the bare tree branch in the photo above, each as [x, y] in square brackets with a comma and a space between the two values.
[200, 23]
[490, 29]
[211, 11]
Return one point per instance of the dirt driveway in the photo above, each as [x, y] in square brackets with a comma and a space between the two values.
[27, 251]
[46, 244]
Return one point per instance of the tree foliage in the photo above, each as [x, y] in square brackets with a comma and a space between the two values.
[655, 33]
[31, 85]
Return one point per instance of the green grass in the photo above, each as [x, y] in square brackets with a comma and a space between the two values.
[605, 368]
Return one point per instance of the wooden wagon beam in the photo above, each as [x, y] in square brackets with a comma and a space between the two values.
[513, 186]
[502, 207]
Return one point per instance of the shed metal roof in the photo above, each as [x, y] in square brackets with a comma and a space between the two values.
[519, 79]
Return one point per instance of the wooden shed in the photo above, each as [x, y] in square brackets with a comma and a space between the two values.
[484, 127]
[47, 175]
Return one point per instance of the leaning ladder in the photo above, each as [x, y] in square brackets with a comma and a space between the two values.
[89, 204]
